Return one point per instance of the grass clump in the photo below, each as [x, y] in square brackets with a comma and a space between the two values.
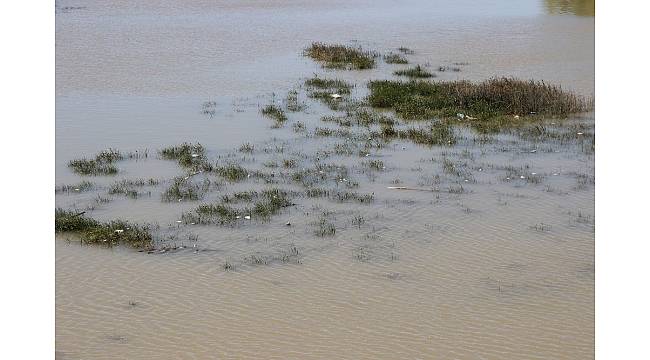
[247, 148]
[435, 134]
[329, 91]
[109, 234]
[325, 228]
[119, 232]
[232, 172]
[275, 113]
[272, 202]
[395, 59]
[66, 220]
[292, 103]
[102, 164]
[341, 86]
[187, 155]
[77, 188]
[346, 196]
[414, 72]
[474, 101]
[374, 165]
[183, 189]
[405, 50]
[341, 56]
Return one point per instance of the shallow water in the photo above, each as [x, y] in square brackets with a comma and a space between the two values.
[495, 261]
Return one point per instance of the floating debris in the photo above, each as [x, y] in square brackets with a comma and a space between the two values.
[335, 96]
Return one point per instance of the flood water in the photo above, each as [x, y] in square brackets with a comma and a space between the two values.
[494, 260]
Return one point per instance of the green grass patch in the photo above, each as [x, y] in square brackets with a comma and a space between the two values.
[414, 72]
[475, 101]
[395, 59]
[341, 56]
[182, 189]
[187, 155]
[110, 234]
[232, 172]
[101, 164]
[276, 113]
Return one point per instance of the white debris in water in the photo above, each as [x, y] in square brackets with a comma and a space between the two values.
[237, 217]
[522, 177]
[533, 173]
[119, 231]
[335, 96]
[516, 116]
[179, 221]
[247, 217]
[195, 155]
[460, 115]
[580, 133]
[533, 151]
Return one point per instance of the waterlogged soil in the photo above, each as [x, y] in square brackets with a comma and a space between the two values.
[479, 249]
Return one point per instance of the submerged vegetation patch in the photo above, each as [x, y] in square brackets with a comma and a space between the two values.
[264, 205]
[414, 72]
[477, 102]
[183, 189]
[110, 234]
[102, 164]
[276, 113]
[190, 156]
[395, 59]
[341, 56]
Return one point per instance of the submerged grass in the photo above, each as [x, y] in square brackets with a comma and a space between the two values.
[264, 205]
[341, 56]
[187, 155]
[414, 72]
[276, 113]
[182, 189]
[113, 233]
[101, 164]
[489, 101]
[232, 172]
[395, 59]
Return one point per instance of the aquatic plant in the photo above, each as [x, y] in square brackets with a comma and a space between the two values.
[187, 155]
[395, 59]
[232, 172]
[475, 102]
[341, 56]
[274, 112]
[182, 189]
[67, 220]
[374, 165]
[340, 86]
[112, 233]
[324, 228]
[246, 148]
[435, 134]
[102, 164]
[291, 102]
[414, 72]
[76, 188]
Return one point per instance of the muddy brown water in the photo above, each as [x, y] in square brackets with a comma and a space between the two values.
[495, 260]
